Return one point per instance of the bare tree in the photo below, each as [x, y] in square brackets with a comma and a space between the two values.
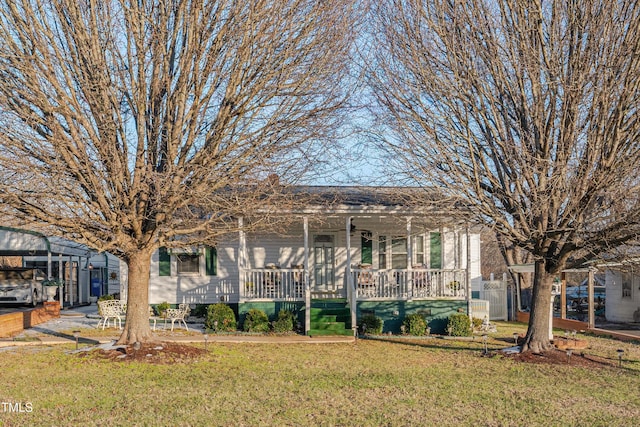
[526, 109]
[497, 254]
[128, 125]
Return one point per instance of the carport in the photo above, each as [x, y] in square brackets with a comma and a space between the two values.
[60, 258]
[520, 269]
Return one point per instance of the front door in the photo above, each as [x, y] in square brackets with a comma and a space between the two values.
[323, 263]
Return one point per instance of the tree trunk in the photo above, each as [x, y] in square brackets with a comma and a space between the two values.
[537, 338]
[136, 328]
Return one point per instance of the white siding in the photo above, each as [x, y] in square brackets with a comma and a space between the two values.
[197, 289]
[476, 265]
[617, 308]
[287, 251]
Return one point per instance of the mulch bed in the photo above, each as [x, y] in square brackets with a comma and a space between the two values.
[161, 353]
[559, 357]
[170, 352]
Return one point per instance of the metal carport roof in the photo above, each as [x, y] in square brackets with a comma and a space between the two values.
[18, 242]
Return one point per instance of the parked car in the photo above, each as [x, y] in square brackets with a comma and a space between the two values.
[577, 297]
[21, 286]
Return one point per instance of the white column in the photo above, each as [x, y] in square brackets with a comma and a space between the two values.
[592, 318]
[468, 271]
[49, 268]
[307, 281]
[348, 233]
[60, 277]
[242, 248]
[351, 295]
[70, 279]
[409, 245]
[305, 228]
[80, 283]
[408, 285]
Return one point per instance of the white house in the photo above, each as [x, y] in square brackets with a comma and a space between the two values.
[622, 283]
[368, 251]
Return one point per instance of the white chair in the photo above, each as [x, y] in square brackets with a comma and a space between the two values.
[178, 314]
[110, 309]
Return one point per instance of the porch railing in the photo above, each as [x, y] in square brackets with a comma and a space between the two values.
[409, 284]
[266, 283]
[289, 284]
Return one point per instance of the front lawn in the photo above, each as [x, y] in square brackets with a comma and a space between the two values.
[370, 383]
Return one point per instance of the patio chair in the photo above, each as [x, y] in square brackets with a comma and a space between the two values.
[110, 309]
[178, 314]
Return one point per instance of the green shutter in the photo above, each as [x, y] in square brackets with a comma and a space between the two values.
[367, 249]
[435, 250]
[211, 260]
[164, 264]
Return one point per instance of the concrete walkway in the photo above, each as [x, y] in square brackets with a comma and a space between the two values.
[85, 319]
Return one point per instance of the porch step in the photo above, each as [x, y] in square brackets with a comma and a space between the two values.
[339, 303]
[330, 317]
[325, 332]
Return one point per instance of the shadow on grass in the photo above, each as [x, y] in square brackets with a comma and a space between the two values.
[435, 342]
[476, 346]
[71, 338]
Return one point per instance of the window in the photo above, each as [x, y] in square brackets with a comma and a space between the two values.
[419, 250]
[396, 250]
[164, 262]
[188, 263]
[382, 252]
[399, 252]
[435, 250]
[211, 261]
[367, 248]
[626, 285]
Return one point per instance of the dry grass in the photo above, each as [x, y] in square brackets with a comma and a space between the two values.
[371, 383]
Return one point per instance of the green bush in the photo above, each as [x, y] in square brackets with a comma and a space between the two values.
[161, 308]
[370, 324]
[284, 323]
[199, 311]
[415, 324]
[256, 321]
[223, 315]
[459, 325]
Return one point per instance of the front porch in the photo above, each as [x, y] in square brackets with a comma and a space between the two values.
[382, 258]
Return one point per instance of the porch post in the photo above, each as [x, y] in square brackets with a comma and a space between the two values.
[307, 282]
[563, 295]
[590, 304]
[49, 267]
[80, 282]
[351, 295]
[242, 247]
[409, 245]
[468, 261]
[62, 287]
[409, 280]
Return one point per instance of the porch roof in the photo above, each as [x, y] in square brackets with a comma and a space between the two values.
[367, 199]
